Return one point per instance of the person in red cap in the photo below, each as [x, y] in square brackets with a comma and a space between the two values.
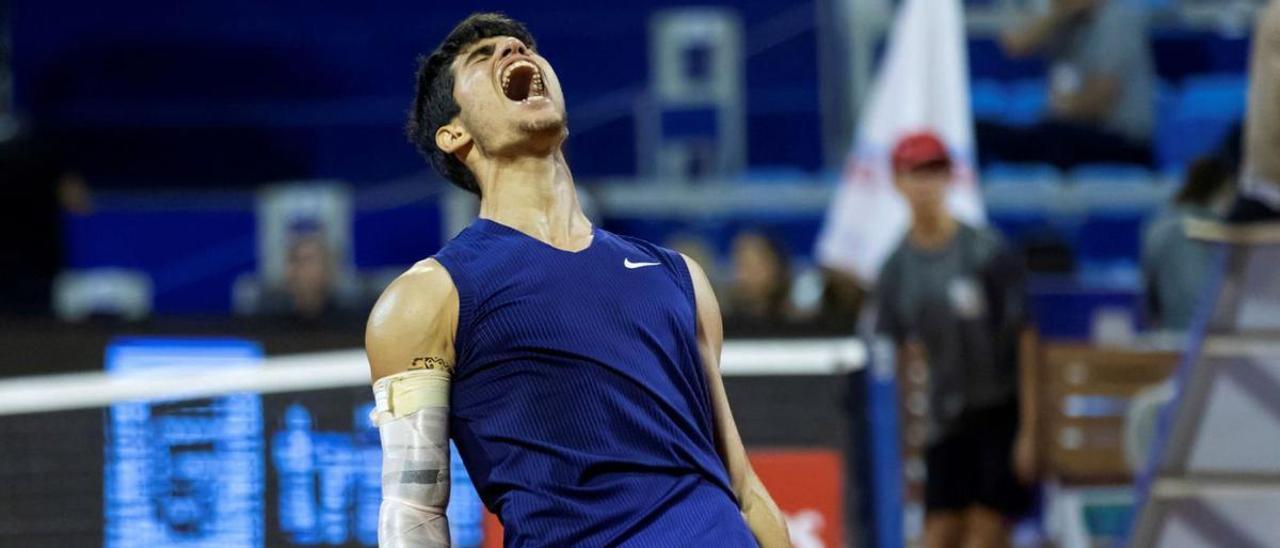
[951, 296]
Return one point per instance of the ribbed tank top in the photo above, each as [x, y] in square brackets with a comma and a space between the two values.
[579, 404]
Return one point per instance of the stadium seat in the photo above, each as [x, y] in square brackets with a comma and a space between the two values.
[1202, 115]
[1114, 203]
[1120, 173]
[1183, 139]
[1167, 96]
[1021, 199]
[1027, 102]
[1218, 96]
[115, 292]
[1110, 237]
[1021, 173]
[990, 100]
[1018, 226]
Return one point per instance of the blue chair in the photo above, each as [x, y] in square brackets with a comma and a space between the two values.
[1020, 198]
[1202, 115]
[1216, 96]
[1109, 237]
[989, 99]
[1184, 139]
[1028, 100]
[1018, 226]
[1021, 173]
[1126, 173]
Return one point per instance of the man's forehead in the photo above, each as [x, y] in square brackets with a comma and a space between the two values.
[482, 43]
[467, 50]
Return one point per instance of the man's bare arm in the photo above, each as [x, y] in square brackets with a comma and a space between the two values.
[1030, 37]
[409, 341]
[763, 516]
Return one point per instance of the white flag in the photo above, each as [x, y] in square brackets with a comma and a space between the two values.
[922, 85]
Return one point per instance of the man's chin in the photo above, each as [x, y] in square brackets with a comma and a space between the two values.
[543, 125]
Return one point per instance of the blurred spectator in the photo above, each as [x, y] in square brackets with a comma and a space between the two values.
[955, 293]
[828, 301]
[1101, 87]
[759, 294]
[696, 247]
[310, 289]
[1174, 266]
[36, 186]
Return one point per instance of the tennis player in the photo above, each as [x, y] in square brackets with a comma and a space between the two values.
[575, 370]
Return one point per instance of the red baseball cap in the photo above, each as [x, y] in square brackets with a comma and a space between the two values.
[916, 150]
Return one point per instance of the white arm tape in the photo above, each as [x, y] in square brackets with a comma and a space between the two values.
[412, 414]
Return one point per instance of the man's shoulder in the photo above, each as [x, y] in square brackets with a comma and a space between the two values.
[415, 317]
[423, 286]
[650, 250]
[893, 263]
[637, 242]
[985, 245]
[984, 236]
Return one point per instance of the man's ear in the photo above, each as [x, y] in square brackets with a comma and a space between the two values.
[452, 137]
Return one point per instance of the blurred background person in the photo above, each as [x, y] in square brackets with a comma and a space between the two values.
[759, 294]
[839, 303]
[699, 249]
[1175, 266]
[1101, 87]
[36, 187]
[310, 291]
[954, 293]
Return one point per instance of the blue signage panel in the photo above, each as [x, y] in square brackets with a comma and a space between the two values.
[244, 470]
[183, 472]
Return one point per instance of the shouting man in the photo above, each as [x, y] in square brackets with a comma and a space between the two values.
[576, 370]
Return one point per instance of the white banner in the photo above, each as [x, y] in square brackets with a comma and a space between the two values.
[922, 84]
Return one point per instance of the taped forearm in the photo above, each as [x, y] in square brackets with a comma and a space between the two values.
[412, 415]
[404, 525]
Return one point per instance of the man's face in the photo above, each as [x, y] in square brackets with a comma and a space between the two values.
[510, 96]
[756, 270]
[925, 187]
[307, 272]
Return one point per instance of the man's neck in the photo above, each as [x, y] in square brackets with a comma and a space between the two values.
[536, 196]
[934, 232]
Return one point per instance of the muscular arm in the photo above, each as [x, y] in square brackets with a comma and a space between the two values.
[409, 341]
[763, 517]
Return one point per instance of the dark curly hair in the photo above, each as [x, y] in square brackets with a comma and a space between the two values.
[433, 103]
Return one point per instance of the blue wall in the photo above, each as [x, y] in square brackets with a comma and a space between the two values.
[195, 249]
[239, 91]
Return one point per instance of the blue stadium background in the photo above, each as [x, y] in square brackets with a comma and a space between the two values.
[221, 97]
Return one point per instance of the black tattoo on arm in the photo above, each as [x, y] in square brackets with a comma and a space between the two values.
[431, 362]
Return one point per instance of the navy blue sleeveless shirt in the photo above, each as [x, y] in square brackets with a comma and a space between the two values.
[579, 403]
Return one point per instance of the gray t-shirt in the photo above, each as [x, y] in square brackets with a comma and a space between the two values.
[1111, 42]
[1174, 267]
[965, 303]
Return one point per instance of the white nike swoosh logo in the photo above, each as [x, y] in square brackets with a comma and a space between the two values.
[627, 263]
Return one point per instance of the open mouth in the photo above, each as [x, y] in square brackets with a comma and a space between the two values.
[522, 81]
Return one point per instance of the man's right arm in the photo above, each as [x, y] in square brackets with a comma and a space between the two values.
[1032, 36]
[409, 341]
